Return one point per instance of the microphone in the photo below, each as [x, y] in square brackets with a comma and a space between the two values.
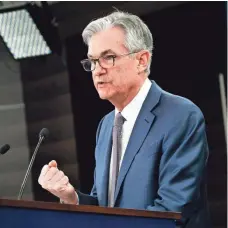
[4, 149]
[42, 135]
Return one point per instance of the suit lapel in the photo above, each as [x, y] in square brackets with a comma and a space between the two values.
[104, 158]
[141, 128]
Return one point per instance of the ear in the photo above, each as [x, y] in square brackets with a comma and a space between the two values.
[143, 58]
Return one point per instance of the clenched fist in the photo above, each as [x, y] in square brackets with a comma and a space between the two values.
[55, 181]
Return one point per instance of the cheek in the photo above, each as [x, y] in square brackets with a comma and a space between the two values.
[125, 74]
[93, 77]
[119, 77]
[129, 68]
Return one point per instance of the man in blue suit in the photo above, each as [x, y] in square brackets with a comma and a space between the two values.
[156, 159]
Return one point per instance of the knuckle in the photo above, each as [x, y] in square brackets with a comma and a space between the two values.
[44, 168]
[44, 186]
[39, 180]
[66, 178]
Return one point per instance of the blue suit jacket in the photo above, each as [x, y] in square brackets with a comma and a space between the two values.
[164, 165]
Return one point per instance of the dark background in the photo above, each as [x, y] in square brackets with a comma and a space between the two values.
[190, 51]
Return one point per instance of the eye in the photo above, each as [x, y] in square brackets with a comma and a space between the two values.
[109, 57]
[93, 61]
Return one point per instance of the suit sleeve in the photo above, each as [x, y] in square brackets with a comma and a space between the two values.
[182, 166]
[91, 199]
[86, 199]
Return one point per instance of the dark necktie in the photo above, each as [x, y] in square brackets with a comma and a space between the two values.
[116, 156]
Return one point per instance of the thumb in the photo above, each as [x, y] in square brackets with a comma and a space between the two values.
[52, 163]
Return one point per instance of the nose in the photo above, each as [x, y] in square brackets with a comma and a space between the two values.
[99, 70]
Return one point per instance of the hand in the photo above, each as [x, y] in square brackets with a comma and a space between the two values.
[56, 182]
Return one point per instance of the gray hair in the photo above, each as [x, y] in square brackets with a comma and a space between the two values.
[138, 35]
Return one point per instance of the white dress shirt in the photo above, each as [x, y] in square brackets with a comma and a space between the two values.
[130, 113]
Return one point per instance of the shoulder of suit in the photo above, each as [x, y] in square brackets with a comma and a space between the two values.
[175, 102]
[108, 117]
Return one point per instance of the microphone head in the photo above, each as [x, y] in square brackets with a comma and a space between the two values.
[4, 148]
[44, 133]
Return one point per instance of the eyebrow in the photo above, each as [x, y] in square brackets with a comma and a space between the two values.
[103, 53]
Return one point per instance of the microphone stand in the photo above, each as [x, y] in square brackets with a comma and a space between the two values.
[29, 168]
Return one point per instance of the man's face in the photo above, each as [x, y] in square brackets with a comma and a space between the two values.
[115, 83]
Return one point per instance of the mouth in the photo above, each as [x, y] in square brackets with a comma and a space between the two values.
[101, 84]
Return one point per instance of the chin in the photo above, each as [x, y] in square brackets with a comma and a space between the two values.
[104, 96]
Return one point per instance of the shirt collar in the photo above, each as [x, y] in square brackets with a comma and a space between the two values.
[131, 111]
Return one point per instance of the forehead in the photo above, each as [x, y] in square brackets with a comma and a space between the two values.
[109, 39]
